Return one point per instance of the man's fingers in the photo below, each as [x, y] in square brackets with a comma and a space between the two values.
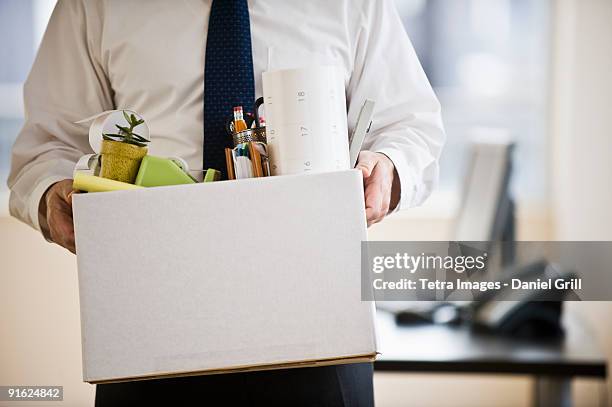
[366, 163]
[377, 170]
[377, 197]
[65, 191]
[62, 229]
[68, 197]
[374, 200]
[59, 215]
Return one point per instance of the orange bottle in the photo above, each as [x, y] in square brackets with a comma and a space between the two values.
[239, 123]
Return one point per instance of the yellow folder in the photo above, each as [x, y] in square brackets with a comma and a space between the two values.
[92, 183]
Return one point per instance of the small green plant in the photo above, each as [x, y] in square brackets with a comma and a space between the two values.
[126, 134]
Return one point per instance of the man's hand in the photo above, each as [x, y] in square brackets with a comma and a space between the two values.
[381, 183]
[55, 214]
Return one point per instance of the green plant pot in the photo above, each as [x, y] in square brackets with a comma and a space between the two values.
[121, 161]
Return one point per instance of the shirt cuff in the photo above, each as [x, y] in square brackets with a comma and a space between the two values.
[408, 184]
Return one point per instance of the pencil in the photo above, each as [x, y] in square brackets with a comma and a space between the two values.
[229, 162]
[255, 160]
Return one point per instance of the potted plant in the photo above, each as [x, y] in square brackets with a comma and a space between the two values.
[122, 152]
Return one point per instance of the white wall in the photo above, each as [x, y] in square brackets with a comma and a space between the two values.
[581, 131]
[581, 136]
[40, 334]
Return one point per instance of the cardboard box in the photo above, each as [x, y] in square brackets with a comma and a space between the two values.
[222, 277]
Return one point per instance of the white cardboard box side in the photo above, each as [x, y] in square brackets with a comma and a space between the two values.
[210, 277]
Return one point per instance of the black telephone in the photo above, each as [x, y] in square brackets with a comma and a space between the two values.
[501, 312]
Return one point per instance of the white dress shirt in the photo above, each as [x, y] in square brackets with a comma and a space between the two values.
[148, 56]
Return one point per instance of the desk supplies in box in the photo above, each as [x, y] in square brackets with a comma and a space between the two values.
[112, 134]
[184, 301]
[158, 171]
[249, 158]
[93, 183]
[306, 126]
[121, 157]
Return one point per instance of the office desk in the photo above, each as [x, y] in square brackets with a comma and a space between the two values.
[446, 349]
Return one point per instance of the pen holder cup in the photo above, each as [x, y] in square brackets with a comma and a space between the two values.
[257, 134]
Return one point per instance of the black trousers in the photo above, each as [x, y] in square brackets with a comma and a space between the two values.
[341, 385]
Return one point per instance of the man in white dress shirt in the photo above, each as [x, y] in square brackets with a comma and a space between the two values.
[148, 56]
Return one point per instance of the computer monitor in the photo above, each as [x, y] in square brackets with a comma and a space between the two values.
[487, 210]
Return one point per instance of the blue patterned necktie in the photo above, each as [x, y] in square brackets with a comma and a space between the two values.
[228, 75]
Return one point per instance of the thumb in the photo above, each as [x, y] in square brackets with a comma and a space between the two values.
[66, 191]
[366, 163]
[69, 197]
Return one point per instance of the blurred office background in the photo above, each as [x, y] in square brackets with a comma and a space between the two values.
[533, 71]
